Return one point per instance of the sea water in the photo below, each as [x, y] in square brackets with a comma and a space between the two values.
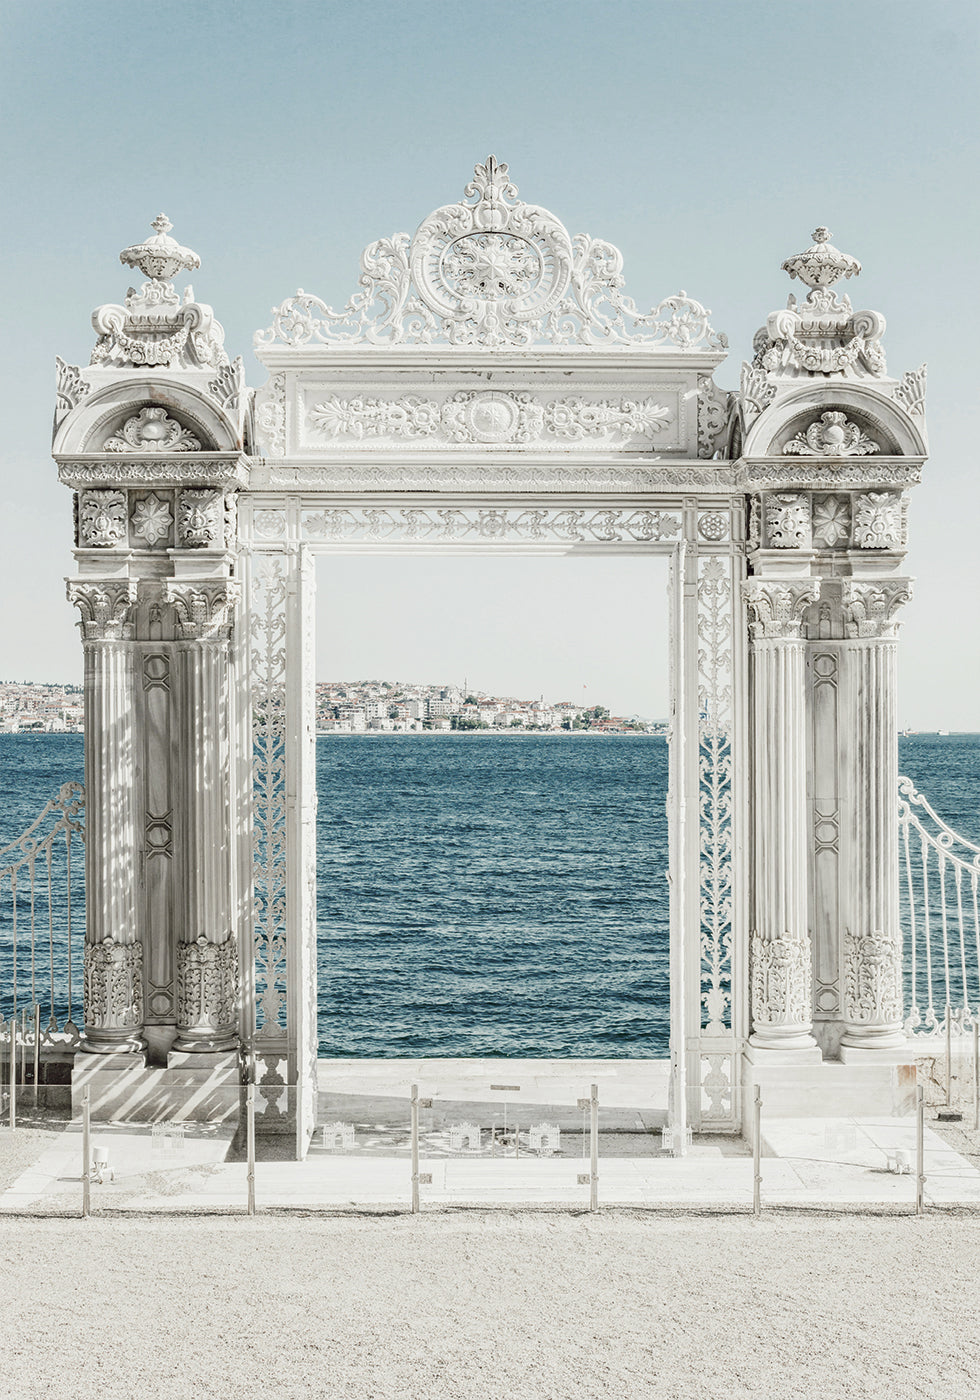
[477, 894]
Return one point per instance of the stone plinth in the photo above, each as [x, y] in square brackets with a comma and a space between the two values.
[194, 1087]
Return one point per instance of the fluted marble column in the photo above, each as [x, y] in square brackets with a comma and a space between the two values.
[871, 932]
[207, 950]
[113, 974]
[781, 977]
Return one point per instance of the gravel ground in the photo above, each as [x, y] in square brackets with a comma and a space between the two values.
[491, 1305]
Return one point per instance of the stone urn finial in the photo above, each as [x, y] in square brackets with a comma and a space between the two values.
[161, 256]
[822, 264]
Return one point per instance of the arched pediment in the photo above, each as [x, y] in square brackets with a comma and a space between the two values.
[834, 420]
[144, 413]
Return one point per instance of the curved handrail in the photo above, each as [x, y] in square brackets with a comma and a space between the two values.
[69, 804]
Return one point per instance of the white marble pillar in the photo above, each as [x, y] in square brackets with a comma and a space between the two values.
[781, 976]
[870, 928]
[113, 974]
[207, 957]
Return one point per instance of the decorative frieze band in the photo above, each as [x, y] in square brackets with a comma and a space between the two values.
[777, 607]
[801, 520]
[451, 525]
[106, 608]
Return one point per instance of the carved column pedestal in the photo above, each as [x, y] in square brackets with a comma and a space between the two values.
[113, 975]
[871, 934]
[781, 978]
[207, 952]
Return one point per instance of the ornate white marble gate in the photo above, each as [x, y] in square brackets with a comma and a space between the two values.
[490, 388]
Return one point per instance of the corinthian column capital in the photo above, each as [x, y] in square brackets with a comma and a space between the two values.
[106, 607]
[777, 607]
[204, 607]
[870, 605]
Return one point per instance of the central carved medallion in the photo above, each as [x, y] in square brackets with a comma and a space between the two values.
[491, 417]
[491, 266]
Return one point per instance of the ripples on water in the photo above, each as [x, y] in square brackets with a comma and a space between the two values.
[481, 895]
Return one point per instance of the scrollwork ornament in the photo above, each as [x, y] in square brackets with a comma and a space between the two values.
[714, 411]
[872, 979]
[270, 415]
[152, 430]
[831, 435]
[102, 519]
[491, 271]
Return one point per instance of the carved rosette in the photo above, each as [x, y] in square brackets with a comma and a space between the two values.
[151, 520]
[207, 994]
[200, 519]
[781, 986]
[113, 990]
[106, 608]
[102, 519]
[776, 608]
[870, 607]
[873, 982]
[204, 608]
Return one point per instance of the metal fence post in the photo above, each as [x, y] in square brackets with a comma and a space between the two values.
[920, 1151]
[415, 1149]
[250, 1143]
[13, 1070]
[757, 1152]
[949, 1055]
[976, 1073]
[593, 1147]
[37, 1050]
[86, 1154]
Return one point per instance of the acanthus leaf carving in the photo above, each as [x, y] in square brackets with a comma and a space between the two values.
[152, 430]
[204, 608]
[831, 435]
[781, 981]
[878, 522]
[777, 607]
[756, 392]
[870, 605]
[788, 521]
[102, 519]
[270, 415]
[714, 413]
[207, 985]
[200, 518]
[71, 389]
[911, 391]
[872, 979]
[228, 386]
[106, 607]
[113, 992]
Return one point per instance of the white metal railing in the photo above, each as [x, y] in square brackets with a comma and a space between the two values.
[41, 920]
[939, 879]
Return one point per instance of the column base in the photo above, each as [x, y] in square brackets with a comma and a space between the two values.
[773, 1055]
[887, 1038]
[96, 1043]
[215, 1043]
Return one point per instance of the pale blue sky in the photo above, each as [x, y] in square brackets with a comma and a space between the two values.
[706, 140]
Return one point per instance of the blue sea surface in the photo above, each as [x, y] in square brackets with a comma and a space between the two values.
[477, 894]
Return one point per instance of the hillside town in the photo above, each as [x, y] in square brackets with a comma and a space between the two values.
[361, 707]
[30, 707]
[355, 707]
